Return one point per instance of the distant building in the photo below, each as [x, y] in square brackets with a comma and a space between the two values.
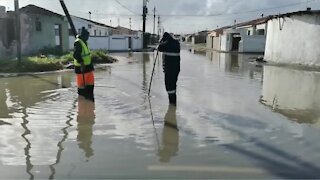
[99, 33]
[199, 37]
[247, 37]
[293, 38]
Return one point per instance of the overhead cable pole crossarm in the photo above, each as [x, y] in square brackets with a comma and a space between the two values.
[73, 29]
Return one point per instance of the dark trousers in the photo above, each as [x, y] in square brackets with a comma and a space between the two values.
[171, 78]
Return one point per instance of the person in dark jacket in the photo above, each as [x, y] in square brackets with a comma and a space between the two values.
[83, 66]
[170, 49]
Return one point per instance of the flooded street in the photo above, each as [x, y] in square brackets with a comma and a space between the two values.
[232, 120]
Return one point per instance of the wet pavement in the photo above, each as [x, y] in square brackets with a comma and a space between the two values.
[233, 120]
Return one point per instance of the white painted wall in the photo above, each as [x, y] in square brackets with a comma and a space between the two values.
[119, 43]
[292, 91]
[224, 43]
[79, 23]
[114, 43]
[297, 42]
[254, 43]
[136, 43]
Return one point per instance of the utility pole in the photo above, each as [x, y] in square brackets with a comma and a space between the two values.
[18, 29]
[130, 24]
[144, 18]
[89, 15]
[118, 21]
[154, 25]
[154, 19]
[158, 28]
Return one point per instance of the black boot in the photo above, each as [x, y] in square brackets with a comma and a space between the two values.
[90, 93]
[173, 99]
[81, 92]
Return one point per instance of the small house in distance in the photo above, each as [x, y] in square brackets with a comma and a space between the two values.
[246, 37]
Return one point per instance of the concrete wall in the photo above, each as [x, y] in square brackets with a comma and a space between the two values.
[209, 41]
[119, 43]
[224, 43]
[95, 43]
[294, 40]
[136, 43]
[114, 43]
[294, 93]
[253, 43]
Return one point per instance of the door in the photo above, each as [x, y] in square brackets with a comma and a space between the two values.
[130, 42]
[58, 36]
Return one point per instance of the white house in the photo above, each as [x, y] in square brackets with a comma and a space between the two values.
[247, 37]
[293, 38]
[106, 37]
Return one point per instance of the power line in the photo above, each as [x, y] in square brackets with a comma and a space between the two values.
[125, 7]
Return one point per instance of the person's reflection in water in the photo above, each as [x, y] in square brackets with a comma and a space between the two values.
[170, 136]
[85, 119]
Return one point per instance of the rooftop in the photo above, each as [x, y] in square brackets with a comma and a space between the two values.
[32, 9]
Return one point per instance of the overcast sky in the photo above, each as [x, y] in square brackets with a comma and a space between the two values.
[199, 14]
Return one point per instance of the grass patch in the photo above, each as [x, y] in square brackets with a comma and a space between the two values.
[49, 63]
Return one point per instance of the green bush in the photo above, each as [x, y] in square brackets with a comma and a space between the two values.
[51, 51]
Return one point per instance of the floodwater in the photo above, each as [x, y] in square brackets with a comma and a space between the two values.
[233, 120]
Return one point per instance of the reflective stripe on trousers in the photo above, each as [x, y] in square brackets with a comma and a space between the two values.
[172, 92]
[171, 54]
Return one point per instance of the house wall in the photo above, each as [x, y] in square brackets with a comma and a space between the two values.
[294, 40]
[33, 41]
[114, 43]
[216, 43]
[209, 41]
[255, 43]
[119, 43]
[136, 43]
[91, 27]
[224, 43]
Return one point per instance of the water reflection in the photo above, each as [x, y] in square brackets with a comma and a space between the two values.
[145, 59]
[170, 136]
[293, 93]
[86, 120]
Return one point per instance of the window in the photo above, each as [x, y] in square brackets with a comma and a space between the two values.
[57, 30]
[95, 32]
[38, 25]
[249, 32]
[89, 26]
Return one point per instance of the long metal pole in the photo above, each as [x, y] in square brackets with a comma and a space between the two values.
[74, 31]
[154, 65]
[64, 7]
[18, 29]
